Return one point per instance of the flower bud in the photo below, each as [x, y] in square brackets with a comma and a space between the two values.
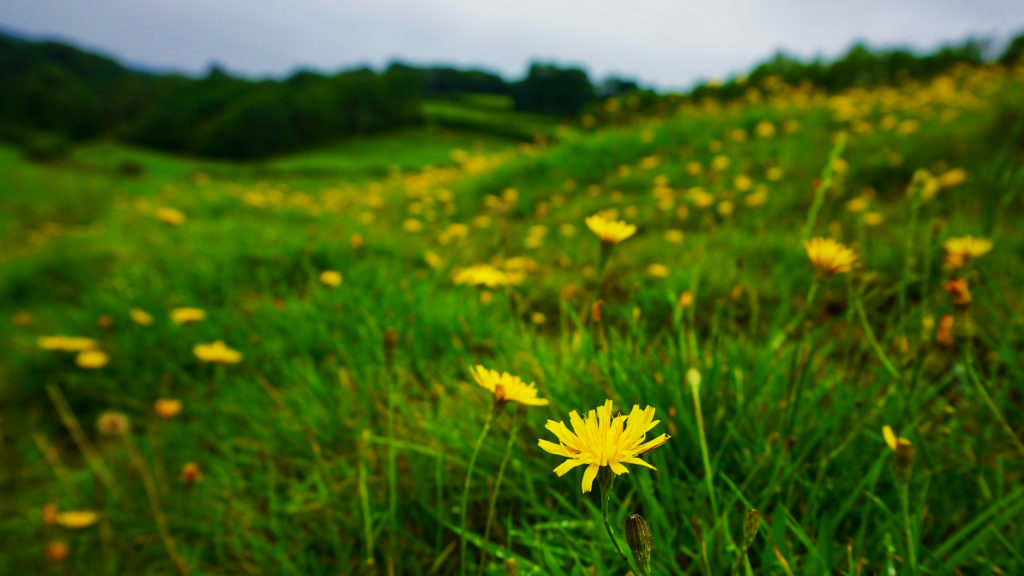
[56, 551]
[638, 537]
[751, 524]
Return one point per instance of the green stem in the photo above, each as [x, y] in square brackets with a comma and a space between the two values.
[465, 487]
[392, 471]
[905, 502]
[606, 496]
[497, 487]
[708, 472]
[889, 366]
[905, 280]
[812, 294]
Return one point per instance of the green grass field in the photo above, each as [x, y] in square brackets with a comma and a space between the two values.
[340, 443]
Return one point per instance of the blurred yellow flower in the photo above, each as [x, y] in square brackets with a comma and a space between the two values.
[412, 225]
[726, 207]
[658, 270]
[167, 407]
[857, 204]
[960, 251]
[829, 256]
[78, 519]
[720, 163]
[187, 315]
[873, 219]
[171, 216]
[486, 275]
[92, 359]
[952, 178]
[506, 387]
[141, 317]
[113, 424]
[609, 231]
[758, 197]
[674, 236]
[217, 352]
[66, 343]
[331, 278]
[603, 440]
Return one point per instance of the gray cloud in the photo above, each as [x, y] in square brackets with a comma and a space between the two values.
[669, 43]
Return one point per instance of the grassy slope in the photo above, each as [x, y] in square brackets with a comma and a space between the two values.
[293, 441]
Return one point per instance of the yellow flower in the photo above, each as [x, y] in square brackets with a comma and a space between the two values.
[487, 275]
[112, 423]
[873, 219]
[171, 216]
[830, 256]
[674, 236]
[603, 440]
[187, 315]
[658, 270]
[92, 359]
[141, 317]
[217, 352]
[952, 178]
[610, 231]
[67, 343]
[506, 387]
[960, 251]
[78, 519]
[331, 278]
[167, 407]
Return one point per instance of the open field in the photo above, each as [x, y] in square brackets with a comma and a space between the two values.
[337, 440]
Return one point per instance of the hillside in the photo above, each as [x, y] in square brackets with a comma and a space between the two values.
[355, 286]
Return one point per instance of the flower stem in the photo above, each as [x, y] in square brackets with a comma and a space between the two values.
[606, 496]
[497, 487]
[465, 487]
[708, 472]
[905, 501]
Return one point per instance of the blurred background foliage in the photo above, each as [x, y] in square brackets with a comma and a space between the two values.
[65, 95]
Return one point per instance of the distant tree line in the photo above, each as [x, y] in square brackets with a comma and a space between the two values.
[64, 93]
[862, 66]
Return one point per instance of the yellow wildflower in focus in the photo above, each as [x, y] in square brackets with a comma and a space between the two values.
[78, 519]
[609, 231]
[92, 359]
[331, 278]
[217, 352]
[960, 251]
[506, 387]
[66, 343]
[187, 315]
[171, 216]
[829, 256]
[603, 440]
[658, 270]
[140, 317]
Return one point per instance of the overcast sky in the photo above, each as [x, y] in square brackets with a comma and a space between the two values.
[667, 43]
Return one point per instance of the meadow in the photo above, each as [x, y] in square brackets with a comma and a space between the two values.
[268, 368]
